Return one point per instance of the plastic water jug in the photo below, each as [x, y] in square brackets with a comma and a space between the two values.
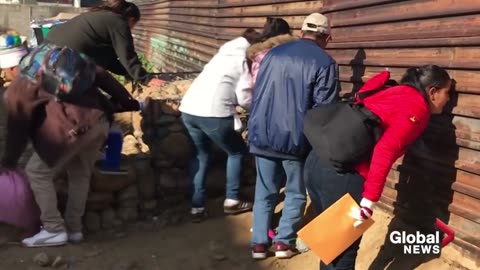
[113, 150]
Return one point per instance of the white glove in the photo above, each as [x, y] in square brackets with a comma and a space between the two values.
[362, 213]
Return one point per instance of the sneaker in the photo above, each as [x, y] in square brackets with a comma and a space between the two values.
[198, 214]
[238, 208]
[259, 251]
[75, 237]
[301, 246]
[283, 251]
[46, 239]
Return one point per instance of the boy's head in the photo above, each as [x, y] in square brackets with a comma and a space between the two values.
[9, 60]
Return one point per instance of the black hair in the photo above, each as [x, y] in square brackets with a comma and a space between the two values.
[274, 27]
[424, 77]
[122, 7]
[316, 34]
[252, 36]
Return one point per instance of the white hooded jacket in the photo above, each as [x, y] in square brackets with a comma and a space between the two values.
[223, 83]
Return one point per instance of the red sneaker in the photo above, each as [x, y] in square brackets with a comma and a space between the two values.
[283, 251]
[259, 251]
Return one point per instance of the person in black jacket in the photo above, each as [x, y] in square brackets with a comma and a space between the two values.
[105, 35]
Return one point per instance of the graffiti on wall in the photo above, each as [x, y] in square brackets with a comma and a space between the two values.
[172, 53]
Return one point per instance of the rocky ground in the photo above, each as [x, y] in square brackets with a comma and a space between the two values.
[167, 243]
[138, 219]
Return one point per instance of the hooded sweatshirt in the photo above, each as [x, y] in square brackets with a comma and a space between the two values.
[223, 83]
[257, 52]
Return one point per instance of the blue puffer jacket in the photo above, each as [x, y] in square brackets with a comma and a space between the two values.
[293, 78]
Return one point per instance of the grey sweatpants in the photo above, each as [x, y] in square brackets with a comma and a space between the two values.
[79, 164]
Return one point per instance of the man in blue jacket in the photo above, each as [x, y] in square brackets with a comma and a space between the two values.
[293, 78]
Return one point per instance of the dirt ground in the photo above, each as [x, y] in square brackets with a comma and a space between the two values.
[218, 243]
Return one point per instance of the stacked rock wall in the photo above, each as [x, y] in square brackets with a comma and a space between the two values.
[154, 182]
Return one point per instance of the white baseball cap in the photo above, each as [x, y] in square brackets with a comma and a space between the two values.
[11, 57]
[316, 22]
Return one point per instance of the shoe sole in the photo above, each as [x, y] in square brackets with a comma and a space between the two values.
[236, 212]
[285, 254]
[45, 245]
[259, 256]
[200, 218]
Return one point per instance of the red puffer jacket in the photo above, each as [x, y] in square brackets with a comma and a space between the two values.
[404, 114]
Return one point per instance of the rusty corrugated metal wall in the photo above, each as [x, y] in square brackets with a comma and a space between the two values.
[439, 177]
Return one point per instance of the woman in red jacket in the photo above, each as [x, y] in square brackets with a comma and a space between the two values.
[404, 111]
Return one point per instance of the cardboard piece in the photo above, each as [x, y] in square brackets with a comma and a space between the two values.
[332, 232]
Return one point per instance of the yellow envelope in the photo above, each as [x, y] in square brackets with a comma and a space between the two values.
[332, 232]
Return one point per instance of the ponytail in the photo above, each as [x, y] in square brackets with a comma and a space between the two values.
[425, 77]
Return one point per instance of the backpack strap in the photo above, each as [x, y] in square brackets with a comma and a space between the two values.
[359, 97]
[372, 86]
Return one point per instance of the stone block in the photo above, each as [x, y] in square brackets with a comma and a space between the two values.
[108, 217]
[92, 221]
[99, 200]
[127, 214]
[128, 193]
[108, 181]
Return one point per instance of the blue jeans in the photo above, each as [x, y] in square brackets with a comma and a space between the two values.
[325, 186]
[202, 131]
[269, 182]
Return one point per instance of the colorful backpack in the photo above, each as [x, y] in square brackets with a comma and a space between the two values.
[63, 72]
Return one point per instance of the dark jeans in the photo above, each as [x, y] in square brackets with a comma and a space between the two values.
[325, 186]
[204, 130]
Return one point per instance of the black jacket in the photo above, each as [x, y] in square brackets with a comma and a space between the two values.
[105, 37]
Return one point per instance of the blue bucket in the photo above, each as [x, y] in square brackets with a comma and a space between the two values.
[113, 151]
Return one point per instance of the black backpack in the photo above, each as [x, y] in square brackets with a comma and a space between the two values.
[345, 133]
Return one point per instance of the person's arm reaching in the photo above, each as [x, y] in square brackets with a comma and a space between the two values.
[327, 86]
[403, 131]
[118, 93]
[122, 42]
[117, 68]
[243, 90]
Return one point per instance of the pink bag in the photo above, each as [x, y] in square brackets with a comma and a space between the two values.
[17, 204]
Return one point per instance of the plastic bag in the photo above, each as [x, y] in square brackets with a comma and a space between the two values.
[17, 203]
[237, 123]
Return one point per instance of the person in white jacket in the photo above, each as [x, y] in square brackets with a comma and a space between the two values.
[209, 114]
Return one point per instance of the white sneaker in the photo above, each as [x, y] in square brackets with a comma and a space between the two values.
[301, 246]
[75, 237]
[46, 239]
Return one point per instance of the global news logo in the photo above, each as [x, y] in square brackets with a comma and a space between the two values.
[417, 243]
[425, 244]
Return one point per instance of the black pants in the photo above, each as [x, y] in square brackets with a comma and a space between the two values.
[325, 186]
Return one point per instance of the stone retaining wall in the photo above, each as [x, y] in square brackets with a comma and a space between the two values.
[154, 183]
